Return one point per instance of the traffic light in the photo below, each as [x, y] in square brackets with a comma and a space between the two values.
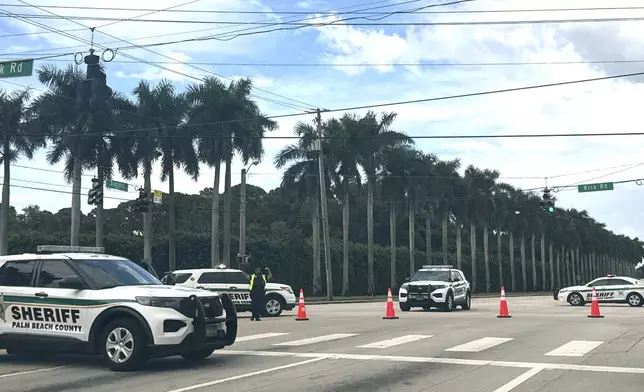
[142, 203]
[547, 201]
[83, 95]
[97, 97]
[95, 194]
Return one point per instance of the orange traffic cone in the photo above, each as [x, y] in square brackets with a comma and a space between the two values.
[503, 308]
[594, 307]
[391, 313]
[301, 309]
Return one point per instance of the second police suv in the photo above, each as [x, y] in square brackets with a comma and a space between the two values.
[79, 300]
[610, 289]
[435, 286]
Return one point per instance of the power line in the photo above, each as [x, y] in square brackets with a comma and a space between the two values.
[520, 10]
[396, 103]
[322, 24]
[372, 3]
[200, 69]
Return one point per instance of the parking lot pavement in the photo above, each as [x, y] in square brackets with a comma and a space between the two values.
[545, 346]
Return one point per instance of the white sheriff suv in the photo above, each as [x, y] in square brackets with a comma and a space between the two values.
[79, 300]
[611, 289]
[435, 286]
[236, 284]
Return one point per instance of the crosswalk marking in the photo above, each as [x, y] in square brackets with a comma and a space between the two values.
[396, 341]
[476, 346]
[317, 339]
[575, 348]
[259, 336]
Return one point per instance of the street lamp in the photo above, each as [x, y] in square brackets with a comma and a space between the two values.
[242, 212]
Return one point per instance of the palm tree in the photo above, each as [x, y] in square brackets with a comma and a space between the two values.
[14, 143]
[376, 137]
[236, 126]
[56, 114]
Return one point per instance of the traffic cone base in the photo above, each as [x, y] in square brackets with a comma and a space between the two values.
[301, 308]
[390, 312]
[503, 306]
[594, 307]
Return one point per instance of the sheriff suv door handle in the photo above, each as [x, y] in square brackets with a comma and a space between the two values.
[43, 295]
[233, 287]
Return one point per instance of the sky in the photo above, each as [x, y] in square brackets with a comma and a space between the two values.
[439, 60]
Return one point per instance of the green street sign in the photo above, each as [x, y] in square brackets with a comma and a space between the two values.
[602, 186]
[117, 185]
[16, 68]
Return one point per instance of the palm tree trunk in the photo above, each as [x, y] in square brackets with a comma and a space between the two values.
[573, 275]
[473, 254]
[523, 269]
[445, 240]
[172, 221]
[392, 244]
[579, 267]
[370, 277]
[412, 239]
[228, 196]
[147, 216]
[512, 274]
[317, 266]
[486, 255]
[214, 218]
[4, 208]
[534, 263]
[100, 168]
[76, 198]
[459, 262]
[499, 255]
[428, 238]
[558, 269]
[569, 270]
[345, 242]
[543, 263]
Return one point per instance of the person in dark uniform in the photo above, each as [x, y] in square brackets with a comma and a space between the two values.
[258, 292]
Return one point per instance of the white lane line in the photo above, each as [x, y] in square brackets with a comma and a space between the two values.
[519, 380]
[259, 336]
[245, 375]
[450, 361]
[575, 348]
[32, 371]
[476, 346]
[396, 341]
[317, 339]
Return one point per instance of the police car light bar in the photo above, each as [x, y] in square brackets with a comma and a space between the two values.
[70, 249]
[221, 266]
[438, 266]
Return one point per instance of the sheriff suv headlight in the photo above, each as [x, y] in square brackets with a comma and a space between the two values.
[288, 289]
[405, 286]
[158, 302]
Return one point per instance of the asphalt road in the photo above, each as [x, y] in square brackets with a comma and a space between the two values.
[545, 347]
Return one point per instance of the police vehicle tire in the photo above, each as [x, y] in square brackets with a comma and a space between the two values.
[634, 299]
[449, 303]
[404, 307]
[468, 302]
[130, 333]
[198, 355]
[276, 303]
[576, 299]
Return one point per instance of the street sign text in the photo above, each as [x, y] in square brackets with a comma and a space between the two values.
[602, 186]
[15, 69]
[119, 186]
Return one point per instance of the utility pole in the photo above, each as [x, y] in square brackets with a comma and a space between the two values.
[325, 215]
[242, 214]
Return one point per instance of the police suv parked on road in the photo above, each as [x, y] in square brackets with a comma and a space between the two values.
[438, 286]
[62, 300]
[610, 289]
[236, 284]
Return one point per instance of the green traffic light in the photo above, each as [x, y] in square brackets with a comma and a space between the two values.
[551, 209]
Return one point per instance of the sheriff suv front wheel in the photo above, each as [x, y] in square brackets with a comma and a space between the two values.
[123, 345]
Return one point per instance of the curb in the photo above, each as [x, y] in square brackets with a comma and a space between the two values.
[384, 299]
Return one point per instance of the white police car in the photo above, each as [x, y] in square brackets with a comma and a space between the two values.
[611, 289]
[93, 303]
[438, 286]
[236, 284]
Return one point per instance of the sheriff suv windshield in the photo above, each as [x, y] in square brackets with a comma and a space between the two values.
[108, 273]
[440, 276]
